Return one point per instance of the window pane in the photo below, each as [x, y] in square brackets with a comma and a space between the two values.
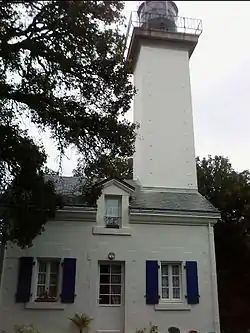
[164, 269]
[164, 281]
[116, 269]
[115, 299]
[53, 279]
[41, 278]
[176, 281]
[112, 207]
[112, 211]
[116, 279]
[176, 269]
[104, 289]
[40, 290]
[116, 290]
[104, 269]
[104, 299]
[42, 267]
[53, 291]
[176, 293]
[104, 278]
[54, 267]
[165, 293]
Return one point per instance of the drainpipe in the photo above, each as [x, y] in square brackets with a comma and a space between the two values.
[216, 318]
[2, 257]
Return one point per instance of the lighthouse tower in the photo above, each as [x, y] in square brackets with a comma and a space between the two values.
[160, 48]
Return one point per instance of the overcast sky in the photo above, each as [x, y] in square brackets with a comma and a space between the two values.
[220, 78]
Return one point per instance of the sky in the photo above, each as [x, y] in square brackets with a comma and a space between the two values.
[220, 81]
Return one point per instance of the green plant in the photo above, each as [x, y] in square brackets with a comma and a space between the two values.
[152, 329]
[173, 330]
[25, 329]
[82, 322]
[142, 330]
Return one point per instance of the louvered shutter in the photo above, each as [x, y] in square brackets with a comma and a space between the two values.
[24, 279]
[68, 280]
[192, 282]
[152, 293]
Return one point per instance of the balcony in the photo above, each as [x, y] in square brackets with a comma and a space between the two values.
[112, 222]
[177, 26]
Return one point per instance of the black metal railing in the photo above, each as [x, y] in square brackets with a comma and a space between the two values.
[174, 24]
[113, 222]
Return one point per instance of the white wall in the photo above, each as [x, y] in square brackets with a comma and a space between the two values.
[162, 242]
[165, 155]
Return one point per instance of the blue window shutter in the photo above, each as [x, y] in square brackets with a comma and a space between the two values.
[68, 280]
[192, 282]
[152, 293]
[24, 279]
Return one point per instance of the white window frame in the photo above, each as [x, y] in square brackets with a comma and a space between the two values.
[36, 273]
[110, 283]
[119, 215]
[171, 299]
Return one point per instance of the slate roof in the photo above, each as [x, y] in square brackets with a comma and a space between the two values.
[66, 185]
[145, 200]
[171, 201]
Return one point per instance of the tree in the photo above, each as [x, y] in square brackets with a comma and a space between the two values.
[28, 201]
[229, 191]
[104, 167]
[61, 66]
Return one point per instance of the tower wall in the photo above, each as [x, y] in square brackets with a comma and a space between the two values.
[165, 155]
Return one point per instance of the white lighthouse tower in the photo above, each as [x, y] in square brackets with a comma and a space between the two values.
[160, 48]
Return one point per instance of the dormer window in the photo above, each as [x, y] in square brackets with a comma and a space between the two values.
[113, 214]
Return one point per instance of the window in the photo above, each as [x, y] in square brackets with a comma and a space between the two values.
[110, 289]
[170, 281]
[47, 287]
[113, 212]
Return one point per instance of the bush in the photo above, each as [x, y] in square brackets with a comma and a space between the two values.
[25, 329]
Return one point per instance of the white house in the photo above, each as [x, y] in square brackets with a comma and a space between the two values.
[145, 253]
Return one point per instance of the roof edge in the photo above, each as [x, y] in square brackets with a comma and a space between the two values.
[123, 182]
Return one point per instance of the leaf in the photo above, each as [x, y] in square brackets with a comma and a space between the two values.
[81, 321]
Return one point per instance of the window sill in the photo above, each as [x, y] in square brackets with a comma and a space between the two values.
[109, 305]
[172, 307]
[45, 306]
[99, 230]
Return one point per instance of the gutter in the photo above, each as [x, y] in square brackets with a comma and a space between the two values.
[215, 304]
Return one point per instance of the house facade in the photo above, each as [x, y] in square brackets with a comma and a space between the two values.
[145, 253]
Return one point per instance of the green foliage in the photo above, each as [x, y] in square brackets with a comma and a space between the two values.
[173, 330]
[102, 168]
[229, 191]
[49, 172]
[26, 203]
[151, 329]
[61, 66]
[82, 322]
[141, 330]
[25, 329]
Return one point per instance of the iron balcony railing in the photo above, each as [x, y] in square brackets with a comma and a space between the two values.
[112, 222]
[182, 25]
